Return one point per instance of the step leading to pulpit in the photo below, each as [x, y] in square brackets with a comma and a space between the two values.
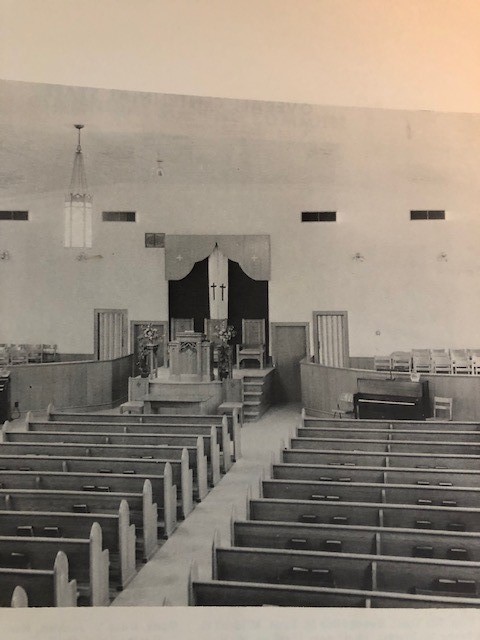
[257, 386]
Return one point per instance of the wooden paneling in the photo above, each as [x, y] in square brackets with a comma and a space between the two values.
[85, 384]
[321, 387]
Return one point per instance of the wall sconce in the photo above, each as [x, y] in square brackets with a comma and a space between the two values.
[82, 257]
[4, 255]
[358, 257]
[442, 257]
[159, 168]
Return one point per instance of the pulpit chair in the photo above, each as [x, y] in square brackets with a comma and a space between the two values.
[345, 407]
[253, 342]
[178, 325]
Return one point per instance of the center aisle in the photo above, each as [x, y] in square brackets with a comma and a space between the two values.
[165, 576]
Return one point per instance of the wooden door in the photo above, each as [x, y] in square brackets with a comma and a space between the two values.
[330, 330]
[136, 327]
[110, 333]
[290, 344]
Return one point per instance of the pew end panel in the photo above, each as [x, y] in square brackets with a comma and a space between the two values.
[19, 598]
[186, 484]
[99, 568]
[216, 543]
[236, 434]
[126, 543]
[193, 576]
[169, 501]
[150, 522]
[65, 589]
[226, 445]
[202, 470]
[214, 456]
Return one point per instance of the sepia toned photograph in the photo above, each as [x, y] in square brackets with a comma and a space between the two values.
[239, 340]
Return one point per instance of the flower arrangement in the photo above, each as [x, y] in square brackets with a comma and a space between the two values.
[150, 333]
[147, 339]
[226, 334]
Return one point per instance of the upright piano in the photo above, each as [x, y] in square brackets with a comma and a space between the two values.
[391, 399]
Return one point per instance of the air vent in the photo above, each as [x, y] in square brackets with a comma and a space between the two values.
[427, 215]
[319, 216]
[13, 215]
[118, 216]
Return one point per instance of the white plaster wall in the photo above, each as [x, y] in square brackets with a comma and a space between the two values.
[242, 167]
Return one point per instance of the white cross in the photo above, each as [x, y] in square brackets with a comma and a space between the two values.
[179, 258]
[254, 258]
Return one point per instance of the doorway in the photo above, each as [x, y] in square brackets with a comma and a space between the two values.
[110, 333]
[330, 330]
[290, 345]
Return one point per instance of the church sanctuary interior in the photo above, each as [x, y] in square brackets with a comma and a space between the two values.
[239, 353]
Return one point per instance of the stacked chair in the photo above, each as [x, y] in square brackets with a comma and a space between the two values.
[86, 498]
[13, 354]
[359, 514]
[446, 361]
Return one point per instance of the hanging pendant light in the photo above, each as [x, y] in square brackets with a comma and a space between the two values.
[78, 203]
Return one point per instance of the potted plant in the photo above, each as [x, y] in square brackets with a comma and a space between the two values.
[225, 352]
[147, 343]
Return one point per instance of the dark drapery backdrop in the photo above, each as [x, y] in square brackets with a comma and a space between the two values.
[247, 298]
[188, 298]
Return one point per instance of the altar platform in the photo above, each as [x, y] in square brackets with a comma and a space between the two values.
[162, 393]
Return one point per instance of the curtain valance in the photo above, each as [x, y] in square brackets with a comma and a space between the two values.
[250, 251]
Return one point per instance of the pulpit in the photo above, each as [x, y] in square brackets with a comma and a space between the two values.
[191, 357]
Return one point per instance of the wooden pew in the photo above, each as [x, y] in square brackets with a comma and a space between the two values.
[143, 511]
[371, 492]
[88, 561]
[385, 541]
[435, 425]
[392, 446]
[194, 445]
[44, 588]
[394, 475]
[19, 598]
[347, 571]
[217, 449]
[182, 475]
[164, 492]
[378, 459]
[22, 443]
[391, 434]
[117, 533]
[233, 422]
[222, 593]
[362, 513]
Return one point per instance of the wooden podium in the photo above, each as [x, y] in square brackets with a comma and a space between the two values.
[191, 358]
